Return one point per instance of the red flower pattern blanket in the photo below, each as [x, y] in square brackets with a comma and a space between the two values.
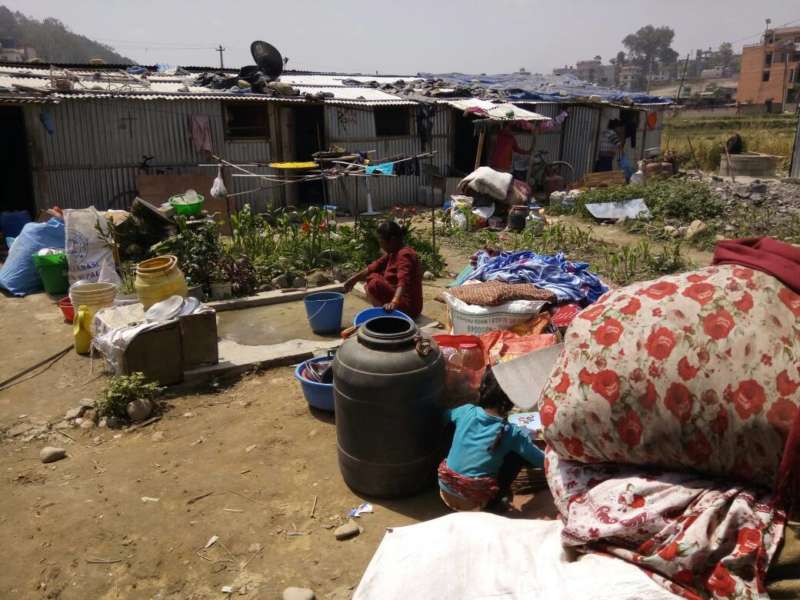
[696, 375]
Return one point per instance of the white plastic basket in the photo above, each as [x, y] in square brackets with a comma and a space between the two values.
[470, 319]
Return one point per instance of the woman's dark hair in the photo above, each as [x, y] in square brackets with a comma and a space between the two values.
[390, 230]
[493, 396]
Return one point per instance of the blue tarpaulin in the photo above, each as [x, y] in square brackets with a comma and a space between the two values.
[569, 281]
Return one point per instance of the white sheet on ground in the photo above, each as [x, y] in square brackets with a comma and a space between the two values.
[480, 556]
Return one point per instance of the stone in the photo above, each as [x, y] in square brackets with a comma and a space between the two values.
[90, 415]
[50, 454]
[428, 276]
[347, 531]
[87, 424]
[157, 436]
[281, 281]
[299, 282]
[758, 187]
[114, 423]
[139, 409]
[74, 413]
[670, 230]
[318, 279]
[695, 228]
[296, 593]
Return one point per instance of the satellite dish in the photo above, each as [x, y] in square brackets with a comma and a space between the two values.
[268, 59]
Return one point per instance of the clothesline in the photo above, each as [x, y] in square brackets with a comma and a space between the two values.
[360, 171]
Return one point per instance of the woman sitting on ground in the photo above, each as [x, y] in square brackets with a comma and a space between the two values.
[394, 281]
[487, 452]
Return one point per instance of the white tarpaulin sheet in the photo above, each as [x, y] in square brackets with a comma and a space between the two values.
[503, 111]
[479, 556]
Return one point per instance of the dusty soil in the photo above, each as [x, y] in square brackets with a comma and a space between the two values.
[128, 513]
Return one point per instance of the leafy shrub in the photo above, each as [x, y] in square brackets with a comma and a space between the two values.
[123, 389]
[673, 198]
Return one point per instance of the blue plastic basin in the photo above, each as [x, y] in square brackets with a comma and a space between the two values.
[318, 395]
[377, 311]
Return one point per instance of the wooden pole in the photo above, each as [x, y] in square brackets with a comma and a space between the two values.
[730, 165]
[683, 78]
[479, 153]
[694, 156]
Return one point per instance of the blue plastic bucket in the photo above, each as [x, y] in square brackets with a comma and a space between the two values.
[377, 311]
[324, 310]
[318, 395]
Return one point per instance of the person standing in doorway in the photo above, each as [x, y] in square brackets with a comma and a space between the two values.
[611, 145]
[505, 145]
[393, 281]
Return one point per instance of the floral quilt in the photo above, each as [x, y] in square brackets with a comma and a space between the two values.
[698, 538]
[698, 371]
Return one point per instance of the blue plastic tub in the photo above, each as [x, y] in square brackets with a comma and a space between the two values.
[377, 311]
[324, 310]
[318, 395]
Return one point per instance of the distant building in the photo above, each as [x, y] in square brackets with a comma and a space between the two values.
[565, 70]
[713, 73]
[770, 70]
[630, 77]
[593, 71]
[9, 52]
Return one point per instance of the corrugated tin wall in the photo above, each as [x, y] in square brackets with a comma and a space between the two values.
[92, 156]
[580, 137]
[794, 170]
[354, 129]
[549, 141]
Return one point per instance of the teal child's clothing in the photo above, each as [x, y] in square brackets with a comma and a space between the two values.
[470, 453]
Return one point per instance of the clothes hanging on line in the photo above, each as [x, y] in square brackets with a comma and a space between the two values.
[200, 127]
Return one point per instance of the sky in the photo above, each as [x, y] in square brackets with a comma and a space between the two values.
[470, 36]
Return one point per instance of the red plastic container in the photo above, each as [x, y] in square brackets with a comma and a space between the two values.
[65, 304]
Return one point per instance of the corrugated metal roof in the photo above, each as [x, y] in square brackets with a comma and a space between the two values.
[496, 111]
[338, 79]
[159, 87]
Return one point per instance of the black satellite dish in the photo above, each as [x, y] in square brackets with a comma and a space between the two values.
[268, 59]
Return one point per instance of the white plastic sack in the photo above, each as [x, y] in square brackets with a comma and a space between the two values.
[88, 256]
[479, 556]
[218, 189]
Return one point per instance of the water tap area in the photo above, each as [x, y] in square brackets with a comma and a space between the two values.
[276, 323]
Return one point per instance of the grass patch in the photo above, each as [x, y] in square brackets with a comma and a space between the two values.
[678, 199]
[770, 134]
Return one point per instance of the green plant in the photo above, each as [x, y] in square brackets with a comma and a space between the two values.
[121, 390]
[251, 235]
[198, 249]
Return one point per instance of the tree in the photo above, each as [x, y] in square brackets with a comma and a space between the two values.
[649, 43]
[725, 54]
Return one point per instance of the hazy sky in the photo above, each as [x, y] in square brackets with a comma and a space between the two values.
[472, 36]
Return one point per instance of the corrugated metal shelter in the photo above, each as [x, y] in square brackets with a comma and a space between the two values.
[576, 140]
[85, 140]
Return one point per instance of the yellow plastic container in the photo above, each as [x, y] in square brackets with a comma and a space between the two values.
[159, 278]
[81, 330]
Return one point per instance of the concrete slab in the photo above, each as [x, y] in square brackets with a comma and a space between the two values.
[271, 297]
[235, 359]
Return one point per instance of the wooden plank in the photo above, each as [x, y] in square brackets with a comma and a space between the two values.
[603, 179]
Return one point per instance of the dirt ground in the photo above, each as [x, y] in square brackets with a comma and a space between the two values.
[128, 514]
